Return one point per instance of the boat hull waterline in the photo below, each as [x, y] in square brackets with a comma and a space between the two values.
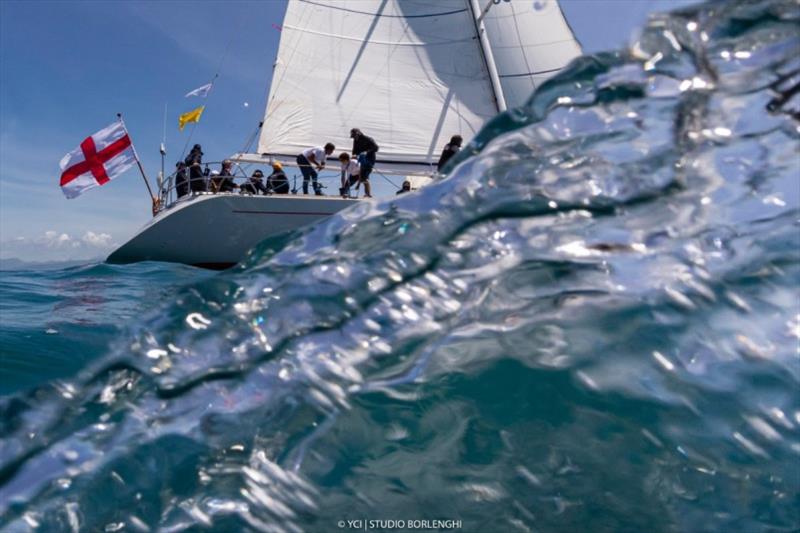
[216, 231]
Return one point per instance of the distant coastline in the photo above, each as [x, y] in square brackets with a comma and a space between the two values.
[13, 263]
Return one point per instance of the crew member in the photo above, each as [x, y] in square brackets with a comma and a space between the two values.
[181, 179]
[223, 180]
[255, 184]
[350, 172]
[277, 182]
[308, 160]
[365, 149]
[450, 149]
[194, 161]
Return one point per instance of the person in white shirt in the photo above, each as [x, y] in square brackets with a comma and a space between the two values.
[350, 172]
[310, 158]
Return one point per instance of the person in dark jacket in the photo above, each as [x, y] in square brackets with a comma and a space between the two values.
[365, 149]
[225, 182]
[406, 188]
[277, 182]
[181, 179]
[195, 155]
[450, 149]
[194, 162]
[255, 184]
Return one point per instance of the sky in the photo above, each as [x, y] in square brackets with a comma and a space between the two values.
[67, 67]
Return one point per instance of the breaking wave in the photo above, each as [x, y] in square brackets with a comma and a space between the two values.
[592, 323]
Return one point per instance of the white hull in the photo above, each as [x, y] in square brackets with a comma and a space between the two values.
[215, 231]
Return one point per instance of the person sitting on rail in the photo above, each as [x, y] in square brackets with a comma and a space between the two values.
[313, 156]
[277, 182]
[223, 180]
[181, 179]
[350, 172]
[214, 181]
[255, 184]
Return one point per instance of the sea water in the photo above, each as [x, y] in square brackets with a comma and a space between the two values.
[591, 325]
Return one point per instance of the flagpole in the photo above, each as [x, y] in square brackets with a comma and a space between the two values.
[141, 168]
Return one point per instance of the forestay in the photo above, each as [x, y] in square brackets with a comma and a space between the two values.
[410, 73]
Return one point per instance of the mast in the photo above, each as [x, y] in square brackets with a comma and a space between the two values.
[486, 50]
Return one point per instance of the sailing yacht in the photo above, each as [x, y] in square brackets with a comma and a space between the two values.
[409, 73]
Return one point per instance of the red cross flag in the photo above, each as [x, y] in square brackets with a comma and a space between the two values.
[98, 160]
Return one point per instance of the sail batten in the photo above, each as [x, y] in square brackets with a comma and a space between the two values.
[371, 41]
[409, 73]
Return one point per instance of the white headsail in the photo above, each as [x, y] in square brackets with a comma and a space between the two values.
[409, 73]
[530, 41]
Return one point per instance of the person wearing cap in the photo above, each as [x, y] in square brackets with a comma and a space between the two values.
[365, 149]
[277, 182]
[255, 184]
[221, 180]
[310, 158]
[194, 162]
[450, 149]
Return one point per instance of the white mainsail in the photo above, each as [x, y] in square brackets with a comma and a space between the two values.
[409, 73]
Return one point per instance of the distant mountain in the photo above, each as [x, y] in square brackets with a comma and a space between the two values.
[12, 263]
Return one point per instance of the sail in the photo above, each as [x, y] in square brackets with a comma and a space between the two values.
[530, 42]
[409, 73]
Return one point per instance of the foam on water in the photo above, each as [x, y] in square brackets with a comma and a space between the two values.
[593, 323]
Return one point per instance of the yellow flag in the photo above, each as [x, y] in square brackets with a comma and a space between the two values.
[190, 116]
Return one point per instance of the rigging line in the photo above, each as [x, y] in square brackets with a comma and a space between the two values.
[380, 161]
[252, 138]
[535, 73]
[385, 16]
[244, 168]
[393, 184]
[214, 79]
[521, 46]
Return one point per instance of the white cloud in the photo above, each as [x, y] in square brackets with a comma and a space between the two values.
[99, 240]
[53, 239]
[55, 245]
